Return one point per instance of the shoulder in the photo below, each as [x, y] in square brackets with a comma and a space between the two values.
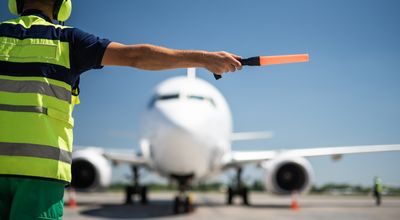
[82, 39]
[78, 33]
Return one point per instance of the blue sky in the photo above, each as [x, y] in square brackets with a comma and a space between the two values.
[348, 94]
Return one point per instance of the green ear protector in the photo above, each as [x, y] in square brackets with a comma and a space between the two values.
[62, 8]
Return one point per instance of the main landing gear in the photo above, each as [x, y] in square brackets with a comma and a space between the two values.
[238, 189]
[136, 189]
[183, 202]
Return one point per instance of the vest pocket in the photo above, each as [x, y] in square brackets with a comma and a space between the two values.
[59, 115]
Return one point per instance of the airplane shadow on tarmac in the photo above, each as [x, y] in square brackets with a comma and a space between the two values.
[155, 208]
[152, 210]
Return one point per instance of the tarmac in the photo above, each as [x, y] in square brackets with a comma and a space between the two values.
[209, 206]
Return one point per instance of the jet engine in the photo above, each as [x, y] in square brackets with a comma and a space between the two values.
[286, 175]
[90, 170]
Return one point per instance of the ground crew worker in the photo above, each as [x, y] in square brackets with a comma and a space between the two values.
[378, 188]
[40, 65]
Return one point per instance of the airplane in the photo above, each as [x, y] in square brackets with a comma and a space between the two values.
[186, 136]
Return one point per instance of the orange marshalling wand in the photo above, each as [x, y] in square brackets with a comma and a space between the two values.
[271, 60]
[295, 58]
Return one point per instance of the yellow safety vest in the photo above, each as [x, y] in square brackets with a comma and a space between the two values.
[36, 110]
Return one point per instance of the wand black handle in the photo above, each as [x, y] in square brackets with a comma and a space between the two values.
[252, 61]
[217, 77]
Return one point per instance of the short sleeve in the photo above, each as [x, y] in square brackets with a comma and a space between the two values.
[86, 51]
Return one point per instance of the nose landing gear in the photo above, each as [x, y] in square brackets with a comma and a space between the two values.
[184, 201]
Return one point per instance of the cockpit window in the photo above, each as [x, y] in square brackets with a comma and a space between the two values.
[196, 97]
[162, 97]
[165, 97]
[202, 98]
[157, 98]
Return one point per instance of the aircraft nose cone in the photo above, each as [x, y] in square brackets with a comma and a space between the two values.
[182, 139]
[182, 116]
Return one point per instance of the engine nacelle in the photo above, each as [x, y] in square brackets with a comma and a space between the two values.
[286, 175]
[90, 169]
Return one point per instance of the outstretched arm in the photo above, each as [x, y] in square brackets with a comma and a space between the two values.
[150, 57]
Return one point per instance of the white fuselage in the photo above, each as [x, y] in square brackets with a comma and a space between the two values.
[187, 127]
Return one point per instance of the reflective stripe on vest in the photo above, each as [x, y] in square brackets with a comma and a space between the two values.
[35, 150]
[35, 87]
[35, 111]
[19, 108]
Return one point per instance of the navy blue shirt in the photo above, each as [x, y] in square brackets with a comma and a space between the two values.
[86, 50]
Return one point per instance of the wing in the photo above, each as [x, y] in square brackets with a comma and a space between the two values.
[254, 135]
[116, 156]
[240, 158]
[129, 158]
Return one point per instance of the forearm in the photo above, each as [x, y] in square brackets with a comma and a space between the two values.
[150, 57]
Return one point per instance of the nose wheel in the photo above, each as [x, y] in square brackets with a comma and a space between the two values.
[183, 204]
